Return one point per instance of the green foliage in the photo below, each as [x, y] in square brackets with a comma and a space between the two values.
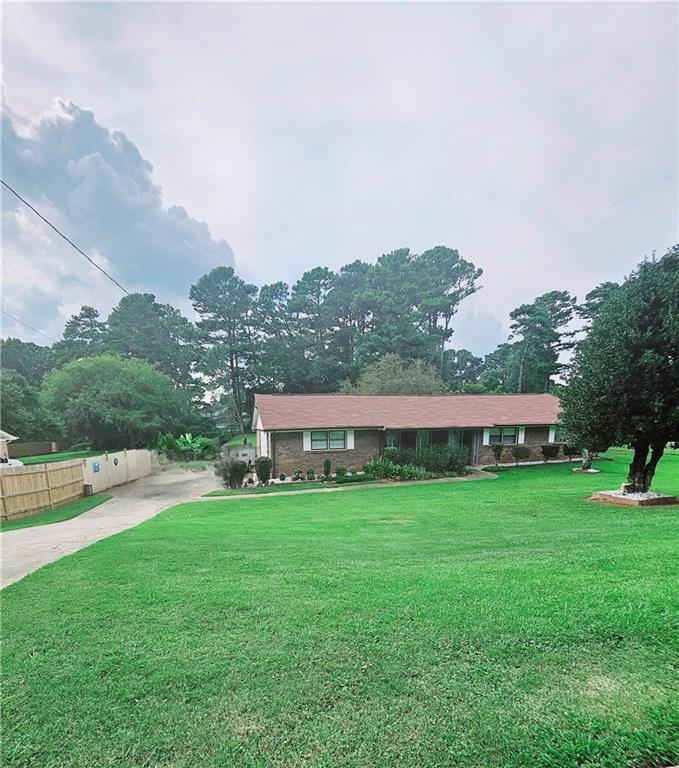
[340, 471]
[436, 459]
[186, 446]
[383, 604]
[625, 377]
[158, 333]
[226, 306]
[263, 466]
[115, 403]
[30, 360]
[22, 414]
[298, 474]
[231, 470]
[391, 375]
[550, 451]
[382, 469]
[531, 361]
[520, 452]
[327, 468]
[84, 336]
[391, 453]
[462, 370]
[349, 479]
[310, 473]
[496, 448]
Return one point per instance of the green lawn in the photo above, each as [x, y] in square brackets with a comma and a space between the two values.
[502, 623]
[238, 439]
[48, 458]
[66, 512]
[300, 486]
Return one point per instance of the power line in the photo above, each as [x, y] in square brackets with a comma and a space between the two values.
[61, 234]
[17, 320]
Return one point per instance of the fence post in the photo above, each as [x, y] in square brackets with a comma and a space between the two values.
[49, 486]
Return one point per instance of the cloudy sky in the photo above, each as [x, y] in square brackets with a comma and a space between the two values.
[538, 139]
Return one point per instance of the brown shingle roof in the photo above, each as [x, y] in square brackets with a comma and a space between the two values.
[404, 411]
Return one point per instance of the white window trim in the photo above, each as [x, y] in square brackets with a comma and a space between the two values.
[520, 434]
[348, 440]
[552, 434]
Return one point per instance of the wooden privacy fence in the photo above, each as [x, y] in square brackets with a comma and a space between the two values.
[25, 491]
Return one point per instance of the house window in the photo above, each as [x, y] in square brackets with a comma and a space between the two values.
[503, 435]
[328, 440]
[559, 436]
[337, 440]
[391, 439]
[439, 437]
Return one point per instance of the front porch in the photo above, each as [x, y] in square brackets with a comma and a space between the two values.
[414, 439]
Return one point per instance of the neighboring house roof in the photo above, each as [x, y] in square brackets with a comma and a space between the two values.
[6, 437]
[277, 412]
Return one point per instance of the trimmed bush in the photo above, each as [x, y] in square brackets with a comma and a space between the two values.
[282, 476]
[441, 461]
[310, 473]
[327, 468]
[550, 451]
[391, 453]
[232, 471]
[352, 479]
[340, 471]
[520, 452]
[263, 466]
[298, 474]
[571, 451]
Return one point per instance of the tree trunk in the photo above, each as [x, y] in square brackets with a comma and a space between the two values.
[635, 475]
[641, 471]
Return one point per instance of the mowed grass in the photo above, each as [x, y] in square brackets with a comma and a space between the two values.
[49, 458]
[58, 515]
[299, 486]
[496, 623]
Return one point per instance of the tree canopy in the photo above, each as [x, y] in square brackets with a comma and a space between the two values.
[624, 384]
[113, 402]
[392, 375]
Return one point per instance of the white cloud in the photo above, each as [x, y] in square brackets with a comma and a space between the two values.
[538, 139]
[98, 189]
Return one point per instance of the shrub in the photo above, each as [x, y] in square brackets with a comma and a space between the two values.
[232, 471]
[391, 453]
[263, 465]
[520, 452]
[297, 474]
[550, 451]
[327, 467]
[310, 473]
[571, 451]
[352, 479]
[282, 476]
[438, 460]
[340, 471]
[381, 469]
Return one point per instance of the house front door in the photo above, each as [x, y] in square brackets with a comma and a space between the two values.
[471, 441]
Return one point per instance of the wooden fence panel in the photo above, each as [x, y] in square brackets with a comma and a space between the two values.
[26, 491]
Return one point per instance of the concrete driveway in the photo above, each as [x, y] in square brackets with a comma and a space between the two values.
[28, 549]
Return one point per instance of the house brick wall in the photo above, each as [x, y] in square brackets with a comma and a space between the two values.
[289, 454]
[534, 439]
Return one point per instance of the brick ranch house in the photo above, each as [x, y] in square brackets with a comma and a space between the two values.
[304, 430]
